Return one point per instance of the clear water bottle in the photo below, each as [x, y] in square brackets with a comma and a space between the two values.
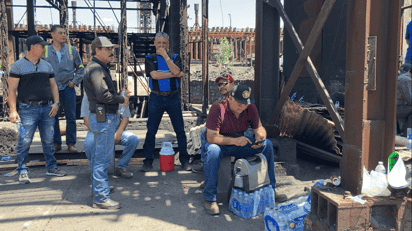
[409, 137]
[293, 96]
[20, 129]
[380, 168]
[337, 104]
[123, 108]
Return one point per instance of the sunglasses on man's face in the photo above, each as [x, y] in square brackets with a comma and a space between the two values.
[222, 84]
[162, 34]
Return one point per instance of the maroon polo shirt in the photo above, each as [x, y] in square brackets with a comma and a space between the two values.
[232, 126]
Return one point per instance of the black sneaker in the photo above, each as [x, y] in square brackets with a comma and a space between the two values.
[186, 166]
[146, 167]
[24, 178]
[55, 172]
[198, 168]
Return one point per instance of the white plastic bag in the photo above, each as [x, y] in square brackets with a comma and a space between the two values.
[374, 184]
[396, 177]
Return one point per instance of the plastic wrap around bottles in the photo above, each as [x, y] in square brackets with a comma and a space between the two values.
[290, 216]
[167, 157]
[247, 205]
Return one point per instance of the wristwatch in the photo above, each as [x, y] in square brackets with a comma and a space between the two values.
[58, 103]
[167, 59]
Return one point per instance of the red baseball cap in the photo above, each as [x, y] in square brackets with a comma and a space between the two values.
[226, 77]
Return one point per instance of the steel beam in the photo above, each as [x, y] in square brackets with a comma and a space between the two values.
[266, 90]
[123, 56]
[184, 55]
[64, 18]
[174, 28]
[4, 56]
[30, 17]
[370, 113]
[205, 45]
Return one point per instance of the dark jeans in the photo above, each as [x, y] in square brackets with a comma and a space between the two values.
[404, 112]
[33, 117]
[157, 106]
[68, 102]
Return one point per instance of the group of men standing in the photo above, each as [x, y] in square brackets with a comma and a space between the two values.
[42, 84]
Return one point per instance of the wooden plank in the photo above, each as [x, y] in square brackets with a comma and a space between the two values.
[371, 76]
[303, 57]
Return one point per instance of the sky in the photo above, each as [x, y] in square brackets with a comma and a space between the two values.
[242, 13]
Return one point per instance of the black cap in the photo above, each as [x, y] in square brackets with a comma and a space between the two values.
[35, 39]
[405, 67]
[241, 94]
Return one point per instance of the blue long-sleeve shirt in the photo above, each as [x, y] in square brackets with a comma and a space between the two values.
[68, 69]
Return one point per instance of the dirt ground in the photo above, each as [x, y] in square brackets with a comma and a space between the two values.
[237, 72]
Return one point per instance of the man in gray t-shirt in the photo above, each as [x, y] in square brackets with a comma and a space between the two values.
[122, 137]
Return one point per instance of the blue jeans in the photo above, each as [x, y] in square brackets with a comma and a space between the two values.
[32, 117]
[213, 153]
[128, 139]
[157, 106]
[68, 102]
[102, 155]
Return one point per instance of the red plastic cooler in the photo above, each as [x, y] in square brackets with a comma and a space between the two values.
[167, 157]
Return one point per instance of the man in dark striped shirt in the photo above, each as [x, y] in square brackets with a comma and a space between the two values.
[38, 94]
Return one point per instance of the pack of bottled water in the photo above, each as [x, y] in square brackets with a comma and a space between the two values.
[247, 205]
[290, 216]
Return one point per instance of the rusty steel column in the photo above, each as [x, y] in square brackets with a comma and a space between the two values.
[64, 18]
[371, 75]
[205, 68]
[123, 56]
[195, 56]
[4, 57]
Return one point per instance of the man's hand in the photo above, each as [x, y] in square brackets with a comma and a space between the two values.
[161, 51]
[126, 98]
[71, 84]
[54, 110]
[14, 116]
[242, 141]
[180, 75]
[117, 137]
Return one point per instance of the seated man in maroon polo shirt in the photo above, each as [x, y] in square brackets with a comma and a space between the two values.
[226, 123]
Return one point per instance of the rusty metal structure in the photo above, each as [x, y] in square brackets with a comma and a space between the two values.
[4, 57]
[205, 52]
[242, 42]
[124, 54]
[308, 127]
[184, 55]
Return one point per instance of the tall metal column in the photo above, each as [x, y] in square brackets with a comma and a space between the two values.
[174, 30]
[266, 90]
[123, 56]
[184, 38]
[205, 68]
[64, 18]
[370, 96]
[30, 18]
[4, 56]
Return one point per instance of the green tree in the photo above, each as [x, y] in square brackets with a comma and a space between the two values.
[223, 58]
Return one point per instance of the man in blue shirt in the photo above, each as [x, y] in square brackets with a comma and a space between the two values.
[69, 71]
[164, 70]
[408, 34]
[33, 79]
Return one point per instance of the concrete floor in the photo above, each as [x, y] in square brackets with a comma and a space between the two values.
[149, 201]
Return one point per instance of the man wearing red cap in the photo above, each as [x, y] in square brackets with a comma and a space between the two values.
[224, 84]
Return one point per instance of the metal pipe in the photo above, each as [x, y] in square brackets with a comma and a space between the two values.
[205, 69]
[83, 7]
[30, 18]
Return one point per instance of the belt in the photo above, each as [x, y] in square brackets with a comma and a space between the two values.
[107, 111]
[39, 103]
[164, 93]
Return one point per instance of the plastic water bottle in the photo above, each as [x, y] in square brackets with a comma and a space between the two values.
[123, 108]
[293, 96]
[21, 129]
[337, 104]
[301, 99]
[409, 137]
[380, 168]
